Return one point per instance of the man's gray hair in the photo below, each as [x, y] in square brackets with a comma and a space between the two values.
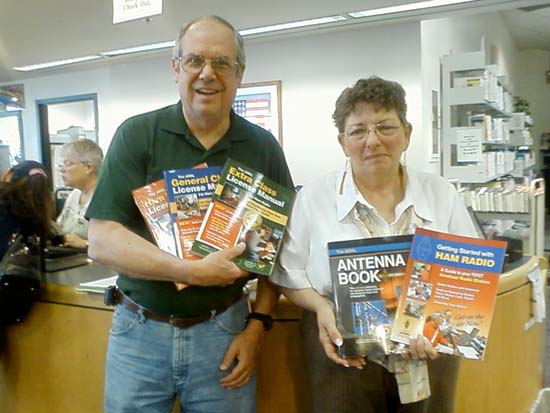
[239, 41]
[86, 151]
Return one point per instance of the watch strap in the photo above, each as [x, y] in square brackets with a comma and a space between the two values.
[265, 319]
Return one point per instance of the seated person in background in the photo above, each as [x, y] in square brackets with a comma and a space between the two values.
[374, 196]
[25, 202]
[79, 168]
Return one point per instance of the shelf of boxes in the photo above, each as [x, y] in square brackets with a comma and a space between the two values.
[520, 121]
[520, 135]
[483, 140]
[518, 203]
[476, 108]
[497, 199]
[524, 164]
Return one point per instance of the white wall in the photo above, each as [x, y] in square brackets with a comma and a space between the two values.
[313, 69]
[123, 89]
[63, 115]
[532, 86]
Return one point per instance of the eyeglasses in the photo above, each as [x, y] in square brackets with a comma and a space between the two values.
[68, 164]
[360, 133]
[194, 64]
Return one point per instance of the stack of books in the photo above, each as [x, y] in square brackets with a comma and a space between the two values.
[194, 212]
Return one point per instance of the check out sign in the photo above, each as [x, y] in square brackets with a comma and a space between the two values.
[125, 10]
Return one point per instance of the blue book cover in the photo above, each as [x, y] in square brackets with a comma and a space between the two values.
[189, 193]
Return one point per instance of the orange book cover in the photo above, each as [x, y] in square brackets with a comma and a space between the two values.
[152, 202]
[223, 227]
[449, 292]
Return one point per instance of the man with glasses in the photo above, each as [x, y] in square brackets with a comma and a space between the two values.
[195, 342]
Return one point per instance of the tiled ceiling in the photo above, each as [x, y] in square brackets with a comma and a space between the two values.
[530, 26]
[34, 31]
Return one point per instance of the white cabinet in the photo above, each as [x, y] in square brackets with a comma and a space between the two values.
[476, 109]
[483, 140]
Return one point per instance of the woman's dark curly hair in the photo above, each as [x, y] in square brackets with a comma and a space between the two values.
[29, 199]
[381, 93]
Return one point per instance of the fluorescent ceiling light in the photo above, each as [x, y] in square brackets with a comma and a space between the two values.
[406, 7]
[147, 47]
[291, 25]
[56, 63]
[258, 30]
[137, 49]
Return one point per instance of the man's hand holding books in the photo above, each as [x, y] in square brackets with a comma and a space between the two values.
[217, 269]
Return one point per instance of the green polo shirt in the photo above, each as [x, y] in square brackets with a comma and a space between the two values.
[146, 145]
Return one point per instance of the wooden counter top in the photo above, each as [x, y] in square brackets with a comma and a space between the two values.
[512, 279]
[61, 286]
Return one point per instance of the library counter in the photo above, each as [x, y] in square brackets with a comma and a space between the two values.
[54, 361]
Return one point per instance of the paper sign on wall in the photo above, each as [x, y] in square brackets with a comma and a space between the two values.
[468, 142]
[124, 10]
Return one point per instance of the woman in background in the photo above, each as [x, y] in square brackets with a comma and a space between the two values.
[80, 164]
[25, 203]
[374, 196]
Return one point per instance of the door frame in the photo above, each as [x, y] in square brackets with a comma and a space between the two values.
[5, 114]
[43, 127]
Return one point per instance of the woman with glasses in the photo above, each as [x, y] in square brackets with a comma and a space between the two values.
[374, 196]
[79, 168]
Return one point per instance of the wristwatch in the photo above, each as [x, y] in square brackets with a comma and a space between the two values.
[266, 320]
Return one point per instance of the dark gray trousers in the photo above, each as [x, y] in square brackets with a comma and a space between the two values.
[337, 389]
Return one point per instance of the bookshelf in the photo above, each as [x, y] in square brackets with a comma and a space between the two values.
[476, 109]
[483, 142]
[516, 212]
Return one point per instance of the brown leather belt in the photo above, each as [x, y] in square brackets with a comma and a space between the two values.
[182, 322]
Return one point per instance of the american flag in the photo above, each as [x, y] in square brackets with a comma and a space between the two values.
[255, 108]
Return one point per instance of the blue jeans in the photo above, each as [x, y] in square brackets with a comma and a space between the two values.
[149, 362]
